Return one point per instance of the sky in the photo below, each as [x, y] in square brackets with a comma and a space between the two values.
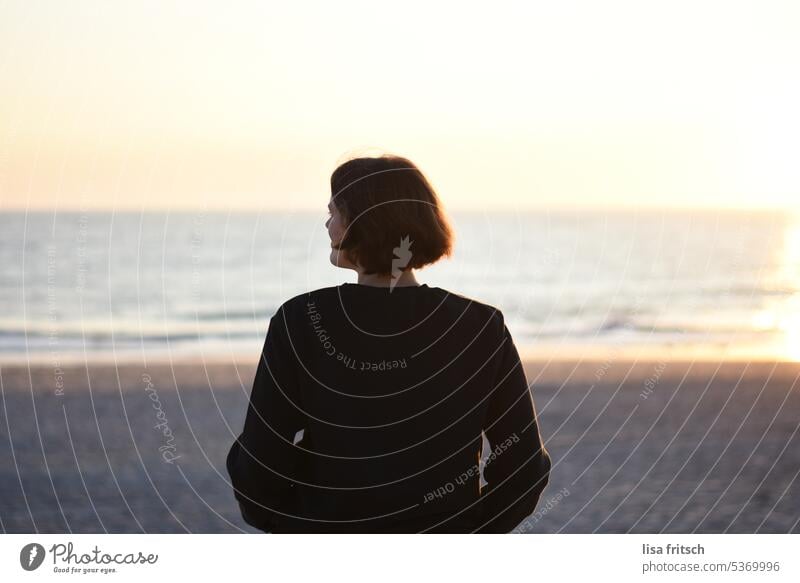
[140, 105]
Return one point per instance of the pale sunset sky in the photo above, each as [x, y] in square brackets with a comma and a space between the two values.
[139, 105]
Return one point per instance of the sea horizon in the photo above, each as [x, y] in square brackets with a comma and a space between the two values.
[668, 283]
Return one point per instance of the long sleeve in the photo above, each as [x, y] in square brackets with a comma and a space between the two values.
[263, 460]
[518, 467]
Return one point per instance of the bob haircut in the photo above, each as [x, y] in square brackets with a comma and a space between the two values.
[393, 217]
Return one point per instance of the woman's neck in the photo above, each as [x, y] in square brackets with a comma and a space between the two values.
[405, 279]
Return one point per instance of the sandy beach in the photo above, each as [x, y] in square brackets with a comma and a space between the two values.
[649, 446]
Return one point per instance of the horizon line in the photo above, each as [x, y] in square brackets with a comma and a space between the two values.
[503, 209]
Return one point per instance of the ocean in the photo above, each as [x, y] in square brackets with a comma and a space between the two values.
[79, 284]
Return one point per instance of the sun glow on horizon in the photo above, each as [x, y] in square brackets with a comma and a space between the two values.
[790, 319]
[780, 318]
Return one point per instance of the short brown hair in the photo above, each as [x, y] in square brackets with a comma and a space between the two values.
[385, 201]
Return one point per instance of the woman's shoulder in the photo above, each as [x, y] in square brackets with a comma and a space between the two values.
[306, 300]
[467, 300]
[480, 309]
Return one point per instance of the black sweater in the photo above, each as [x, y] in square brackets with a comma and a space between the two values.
[392, 390]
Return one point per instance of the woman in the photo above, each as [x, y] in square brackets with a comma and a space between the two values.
[391, 384]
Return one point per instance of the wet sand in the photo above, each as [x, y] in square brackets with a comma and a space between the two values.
[657, 446]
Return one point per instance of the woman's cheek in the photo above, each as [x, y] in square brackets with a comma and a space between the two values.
[336, 231]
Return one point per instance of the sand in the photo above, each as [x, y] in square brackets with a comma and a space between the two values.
[648, 447]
